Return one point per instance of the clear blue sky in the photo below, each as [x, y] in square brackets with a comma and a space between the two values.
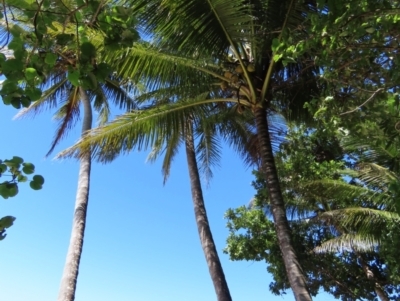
[141, 240]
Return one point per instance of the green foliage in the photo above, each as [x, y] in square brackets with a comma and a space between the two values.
[252, 237]
[52, 36]
[16, 171]
[323, 210]
[5, 222]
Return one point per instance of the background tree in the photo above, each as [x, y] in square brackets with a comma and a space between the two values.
[323, 211]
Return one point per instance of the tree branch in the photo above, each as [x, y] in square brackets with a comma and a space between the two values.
[364, 103]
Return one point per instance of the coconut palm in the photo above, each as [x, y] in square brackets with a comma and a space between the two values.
[69, 111]
[230, 41]
[72, 98]
[63, 91]
[165, 126]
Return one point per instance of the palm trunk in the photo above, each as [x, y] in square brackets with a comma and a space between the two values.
[371, 277]
[206, 239]
[71, 268]
[293, 269]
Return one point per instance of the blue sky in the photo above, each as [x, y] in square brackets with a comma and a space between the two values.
[141, 240]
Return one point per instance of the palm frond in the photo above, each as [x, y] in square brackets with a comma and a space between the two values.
[348, 242]
[159, 68]
[110, 91]
[167, 147]
[365, 221]
[338, 189]
[208, 148]
[139, 129]
[375, 175]
[101, 105]
[48, 100]
[118, 95]
[170, 151]
[196, 25]
[377, 148]
[68, 114]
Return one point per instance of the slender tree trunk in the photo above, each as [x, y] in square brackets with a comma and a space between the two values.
[371, 277]
[293, 269]
[71, 268]
[206, 239]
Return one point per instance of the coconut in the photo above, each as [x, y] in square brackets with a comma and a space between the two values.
[251, 68]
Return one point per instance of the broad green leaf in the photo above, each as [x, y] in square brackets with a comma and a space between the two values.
[35, 185]
[50, 59]
[11, 163]
[28, 168]
[73, 77]
[16, 44]
[16, 30]
[8, 87]
[12, 65]
[25, 101]
[22, 178]
[20, 54]
[17, 160]
[16, 103]
[275, 44]
[4, 190]
[2, 58]
[6, 222]
[12, 189]
[38, 179]
[41, 27]
[7, 99]
[88, 51]
[30, 73]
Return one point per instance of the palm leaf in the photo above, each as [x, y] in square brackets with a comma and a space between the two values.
[159, 68]
[362, 220]
[338, 189]
[68, 114]
[208, 148]
[48, 100]
[204, 25]
[348, 242]
[139, 129]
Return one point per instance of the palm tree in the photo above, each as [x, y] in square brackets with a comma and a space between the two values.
[164, 126]
[203, 227]
[71, 268]
[230, 41]
[60, 90]
[68, 114]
